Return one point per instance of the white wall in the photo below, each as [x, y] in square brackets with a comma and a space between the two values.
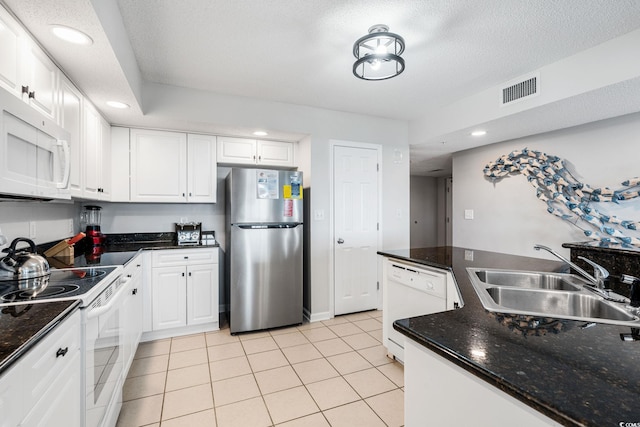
[190, 106]
[424, 211]
[509, 218]
[51, 219]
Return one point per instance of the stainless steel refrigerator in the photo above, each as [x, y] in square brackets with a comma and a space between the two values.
[264, 238]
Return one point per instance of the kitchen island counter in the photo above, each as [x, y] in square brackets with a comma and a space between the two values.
[576, 376]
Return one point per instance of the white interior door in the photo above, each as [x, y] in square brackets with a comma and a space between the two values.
[355, 213]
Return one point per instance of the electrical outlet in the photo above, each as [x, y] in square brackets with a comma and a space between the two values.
[468, 255]
[32, 229]
[468, 214]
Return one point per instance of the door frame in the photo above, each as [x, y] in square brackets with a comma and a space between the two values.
[332, 282]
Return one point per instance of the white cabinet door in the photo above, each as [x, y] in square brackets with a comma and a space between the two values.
[169, 297]
[11, 393]
[158, 166]
[202, 294]
[11, 38]
[59, 407]
[42, 80]
[92, 151]
[275, 153]
[239, 151]
[201, 168]
[70, 118]
[104, 192]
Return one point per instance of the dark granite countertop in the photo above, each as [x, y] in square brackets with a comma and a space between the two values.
[119, 249]
[576, 376]
[23, 326]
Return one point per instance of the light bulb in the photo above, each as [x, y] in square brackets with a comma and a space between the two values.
[375, 64]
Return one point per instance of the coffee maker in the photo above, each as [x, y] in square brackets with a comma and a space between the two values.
[92, 216]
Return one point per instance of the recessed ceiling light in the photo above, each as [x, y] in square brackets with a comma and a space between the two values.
[71, 35]
[117, 104]
[479, 133]
[260, 133]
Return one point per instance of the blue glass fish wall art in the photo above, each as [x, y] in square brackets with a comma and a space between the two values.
[571, 200]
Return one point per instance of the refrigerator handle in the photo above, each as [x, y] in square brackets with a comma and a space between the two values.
[267, 226]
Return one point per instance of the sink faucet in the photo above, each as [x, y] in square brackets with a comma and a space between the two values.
[599, 272]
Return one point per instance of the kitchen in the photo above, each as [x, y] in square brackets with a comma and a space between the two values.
[175, 108]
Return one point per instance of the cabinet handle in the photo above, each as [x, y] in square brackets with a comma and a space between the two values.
[137, 265]
[32, 95]
[61, 352]
[186, 257]
[189, 274]
[129, 275]
[189, 194]
[182, 274]
[134, 291]
[25, 89]
[259, 158]
[183, 194]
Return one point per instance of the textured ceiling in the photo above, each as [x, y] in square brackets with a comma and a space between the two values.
[300, 52]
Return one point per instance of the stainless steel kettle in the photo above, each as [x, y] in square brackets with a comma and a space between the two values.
[24, 264]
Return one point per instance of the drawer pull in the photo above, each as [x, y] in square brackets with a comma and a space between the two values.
[62, 351]
[134, 291]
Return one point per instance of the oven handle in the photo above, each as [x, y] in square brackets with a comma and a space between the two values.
[99, 311]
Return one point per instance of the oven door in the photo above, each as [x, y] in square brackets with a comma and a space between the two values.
[104, 364]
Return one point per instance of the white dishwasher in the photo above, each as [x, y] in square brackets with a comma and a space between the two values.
[409, 291]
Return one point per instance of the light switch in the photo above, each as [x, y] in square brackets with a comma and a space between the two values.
[468, 214]
[468, 255]
[318, 215]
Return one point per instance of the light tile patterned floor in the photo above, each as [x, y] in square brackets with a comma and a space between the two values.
[332, 373]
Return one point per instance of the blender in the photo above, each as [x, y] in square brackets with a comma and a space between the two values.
[91, 216]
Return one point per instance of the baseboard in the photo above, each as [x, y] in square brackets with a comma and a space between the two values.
[315, 317]
[176, 332]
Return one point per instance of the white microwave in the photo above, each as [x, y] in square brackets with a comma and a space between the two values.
[34, 153]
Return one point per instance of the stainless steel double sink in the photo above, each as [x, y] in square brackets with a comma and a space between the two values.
[544, 294]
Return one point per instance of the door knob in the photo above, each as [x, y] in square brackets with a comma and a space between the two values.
[340, 241]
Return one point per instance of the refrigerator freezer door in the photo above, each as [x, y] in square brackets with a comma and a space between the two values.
[266, 278]
[265, 196]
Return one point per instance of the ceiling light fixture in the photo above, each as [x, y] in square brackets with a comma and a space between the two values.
[378, 54]
[117, 104]
[71, 35]
[260, 133]
[479, 133]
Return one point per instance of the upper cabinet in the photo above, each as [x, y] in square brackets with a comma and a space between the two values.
[25, 69]
[243, 151]
[172, 167]
[70, 117]
[97, 155]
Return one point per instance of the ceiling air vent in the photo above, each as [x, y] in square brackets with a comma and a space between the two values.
[522, 88]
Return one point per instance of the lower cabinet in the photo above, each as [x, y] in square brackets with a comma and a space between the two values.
[184, 287]
[43, 388]
[434, 389]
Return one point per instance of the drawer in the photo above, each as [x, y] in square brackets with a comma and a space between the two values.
[170, 258]
[42, 364]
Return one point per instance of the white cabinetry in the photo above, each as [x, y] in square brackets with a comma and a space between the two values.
[25, 70]
[132, 309]
[11, 39]
[70, 117]
[435, 387]
[172, 167]
[97, 155]
[184, 286]
[44, 387]
[244, 151]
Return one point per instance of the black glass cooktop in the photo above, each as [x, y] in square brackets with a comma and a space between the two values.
[67, 283]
